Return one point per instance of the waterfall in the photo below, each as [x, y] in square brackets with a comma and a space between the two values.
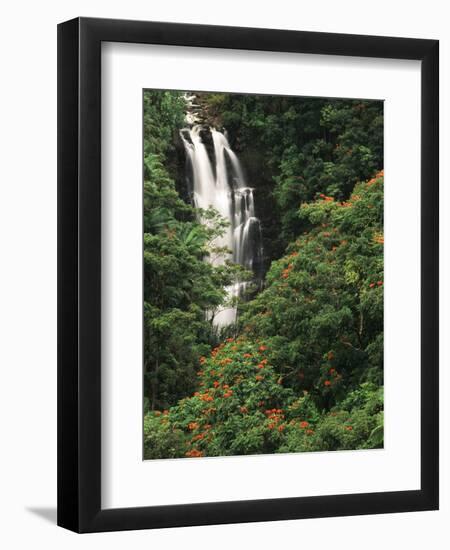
[225, 189]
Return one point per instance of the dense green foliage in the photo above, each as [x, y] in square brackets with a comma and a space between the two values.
[303, 369]
[178, 285]
[294, 149]
[242, 407]
[322, 309]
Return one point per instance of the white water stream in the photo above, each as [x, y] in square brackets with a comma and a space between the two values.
[224, 188]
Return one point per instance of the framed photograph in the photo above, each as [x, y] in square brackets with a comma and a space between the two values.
[248, 275]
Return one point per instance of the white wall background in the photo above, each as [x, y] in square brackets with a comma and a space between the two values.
[28, 271]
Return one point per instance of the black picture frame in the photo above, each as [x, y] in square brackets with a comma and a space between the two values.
[79, 274]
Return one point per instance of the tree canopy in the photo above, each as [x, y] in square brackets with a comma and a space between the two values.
[302, 369]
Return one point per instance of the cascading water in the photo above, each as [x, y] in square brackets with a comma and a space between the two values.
[226, 190]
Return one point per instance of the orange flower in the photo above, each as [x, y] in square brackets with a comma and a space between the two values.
[372, 285]
[230, 339]
[229, 393]
[247, 355]
[243, 410]
[281, 427]
[262, 348]
[216, 384]
[378, 238]
[259, 377]
[349, 428]
[206, 397]
[194, 453]
[192, 426]
[274, 413]
[304, 424]
[260, 366]
[327, 383]
[309, 432]
[379, 283]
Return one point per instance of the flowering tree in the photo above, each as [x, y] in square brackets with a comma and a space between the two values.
[302, 369]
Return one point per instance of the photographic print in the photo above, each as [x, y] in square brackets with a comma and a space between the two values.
[222, 274]
[263, 274]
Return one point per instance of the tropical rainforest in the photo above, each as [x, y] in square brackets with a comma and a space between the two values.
[300, 368]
